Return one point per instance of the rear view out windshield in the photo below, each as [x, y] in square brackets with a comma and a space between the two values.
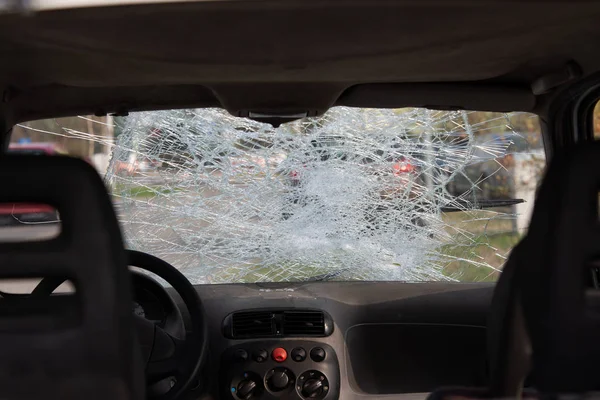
[355, 194]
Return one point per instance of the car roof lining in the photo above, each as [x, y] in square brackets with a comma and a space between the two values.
[290, 56]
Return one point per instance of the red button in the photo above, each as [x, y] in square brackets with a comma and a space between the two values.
[279, 354]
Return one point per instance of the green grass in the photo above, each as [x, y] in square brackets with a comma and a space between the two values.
[484, 249]
[491, 221]
[463, 262]
[479, 239]
[486, 241]
[460, 263]
[484, 237]
[142, 192]
[145, 192]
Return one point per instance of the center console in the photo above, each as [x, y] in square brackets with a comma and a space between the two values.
[280, 369]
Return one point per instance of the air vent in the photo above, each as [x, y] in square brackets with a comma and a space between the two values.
[303, 323]
[278, 322]
[253, 324]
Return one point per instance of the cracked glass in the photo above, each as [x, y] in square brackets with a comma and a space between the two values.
[355, 194]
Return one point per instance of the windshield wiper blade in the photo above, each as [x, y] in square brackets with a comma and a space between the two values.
[465, 205]
[326, 277]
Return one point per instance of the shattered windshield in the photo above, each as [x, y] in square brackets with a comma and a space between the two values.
[355, 194]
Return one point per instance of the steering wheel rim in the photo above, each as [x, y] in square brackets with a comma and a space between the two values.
[193, 349]
[195, 343]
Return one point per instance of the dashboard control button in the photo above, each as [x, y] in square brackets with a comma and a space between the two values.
[240, 355]
[313, 385]
[279, 354]
[312, 388]
[246, 388]
[317, 354]
[260, 355]
[298, 354]
[279, 379]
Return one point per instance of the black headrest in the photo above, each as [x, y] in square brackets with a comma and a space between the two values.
[89, 351]
[543, 300]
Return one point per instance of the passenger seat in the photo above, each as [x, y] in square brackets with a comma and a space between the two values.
[67, 347]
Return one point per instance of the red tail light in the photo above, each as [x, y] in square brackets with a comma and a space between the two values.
[294, 174]
[403, 167]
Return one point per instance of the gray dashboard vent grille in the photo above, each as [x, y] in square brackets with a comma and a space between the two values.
[303, 323]
[253, 324]
[277, 322]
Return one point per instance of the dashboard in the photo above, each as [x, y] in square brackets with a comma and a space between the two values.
[358, 340]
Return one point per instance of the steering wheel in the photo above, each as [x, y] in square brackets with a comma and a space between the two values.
[164, 355]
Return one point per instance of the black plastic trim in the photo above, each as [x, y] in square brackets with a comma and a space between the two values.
[228, 331]
[569, 114]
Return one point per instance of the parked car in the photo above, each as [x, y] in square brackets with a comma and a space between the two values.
[398, 176]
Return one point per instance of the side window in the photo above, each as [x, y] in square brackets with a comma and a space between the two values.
[88, 137]
[81, 137]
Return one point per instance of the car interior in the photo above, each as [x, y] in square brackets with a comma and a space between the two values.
[357, 331]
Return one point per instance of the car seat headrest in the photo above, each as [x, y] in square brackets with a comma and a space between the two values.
[546, 282]
[553, 274]
[81, 347]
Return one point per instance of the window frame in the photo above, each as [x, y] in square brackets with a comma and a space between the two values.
[570, 115]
